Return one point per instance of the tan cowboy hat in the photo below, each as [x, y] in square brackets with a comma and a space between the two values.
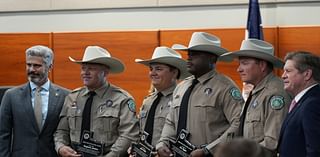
[96, 54]
[257, 49]
[201, 41]
[168, 56]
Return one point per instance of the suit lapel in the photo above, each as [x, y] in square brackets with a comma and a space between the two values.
[295, 110]
[52, 104]
[27, 105]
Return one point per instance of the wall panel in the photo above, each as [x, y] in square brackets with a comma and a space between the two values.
[12, 51]
[125, 46]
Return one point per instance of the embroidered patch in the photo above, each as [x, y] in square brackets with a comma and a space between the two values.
[277, 102]
[235, 93]
[132, 106]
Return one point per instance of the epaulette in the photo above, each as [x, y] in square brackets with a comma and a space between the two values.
[77, 89]
[120, 90]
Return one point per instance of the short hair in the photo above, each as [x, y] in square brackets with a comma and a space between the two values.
[41, 51]
[305, 60]
[241, 147]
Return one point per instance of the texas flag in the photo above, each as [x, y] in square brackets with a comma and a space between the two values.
[254, 24]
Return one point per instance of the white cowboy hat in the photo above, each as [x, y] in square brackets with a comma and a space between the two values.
[168, 56]
[96, 54]
[201, 41]
[257, 49]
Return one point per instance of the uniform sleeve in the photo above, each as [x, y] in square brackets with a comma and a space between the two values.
[5, 126]
[231, 105]
[61, 136]
[273, 120]
[169, 128]
[128, 129]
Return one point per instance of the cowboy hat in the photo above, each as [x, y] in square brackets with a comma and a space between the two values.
[257, 49]
[167, 56]
[96, 54]
[201, 41]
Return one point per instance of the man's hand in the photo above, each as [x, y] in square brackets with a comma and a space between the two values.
[197, 153]
[66, 151]
[164, 152]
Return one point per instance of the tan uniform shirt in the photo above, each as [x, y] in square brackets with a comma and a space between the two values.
[267, 109]
[161, 112]
[113, 119]
[213, 111]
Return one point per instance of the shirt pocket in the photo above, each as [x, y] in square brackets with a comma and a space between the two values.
[109, 120]
[205, 111]
[74, 119]
[255, 124]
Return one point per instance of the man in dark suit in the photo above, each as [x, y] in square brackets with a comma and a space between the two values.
[29, 114]
[300, 132]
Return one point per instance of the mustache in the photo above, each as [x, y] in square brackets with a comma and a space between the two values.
[33, 73]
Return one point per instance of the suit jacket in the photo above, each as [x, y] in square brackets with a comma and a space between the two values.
[19, 132]
[300, 132]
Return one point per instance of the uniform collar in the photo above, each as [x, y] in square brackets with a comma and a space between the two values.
[167, 91]
[202, 79]
[263, 83]
[100, 91]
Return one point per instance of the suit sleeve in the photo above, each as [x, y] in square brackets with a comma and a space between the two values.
[311, 126]
[128, 129]
[6, 125]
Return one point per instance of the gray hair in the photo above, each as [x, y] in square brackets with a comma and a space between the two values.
[305, 60]
[41, 51]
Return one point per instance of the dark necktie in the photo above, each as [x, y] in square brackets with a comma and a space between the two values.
[243, 115]
[86, 114]
[150, 119]
[182, 122]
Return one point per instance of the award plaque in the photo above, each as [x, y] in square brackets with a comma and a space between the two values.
[142, 148]
[89, 146]
[182, 147]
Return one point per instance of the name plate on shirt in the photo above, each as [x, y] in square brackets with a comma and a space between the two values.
[89, 146]
[182, 147]
[142, 148]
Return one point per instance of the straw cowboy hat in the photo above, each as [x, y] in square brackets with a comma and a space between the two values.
[96, 54]
[168, 56]
[257, 49]
[201, 41]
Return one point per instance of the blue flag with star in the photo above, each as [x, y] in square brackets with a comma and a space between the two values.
[254, 23]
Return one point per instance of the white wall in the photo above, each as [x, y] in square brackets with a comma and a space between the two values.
[207, 16]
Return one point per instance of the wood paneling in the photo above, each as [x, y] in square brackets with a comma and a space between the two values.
[230, 39]
[12, 50]
[126, 46]
[129, 45]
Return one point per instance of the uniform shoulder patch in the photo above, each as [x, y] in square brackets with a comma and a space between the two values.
[235, 93]
[277, 102]
[131, 105]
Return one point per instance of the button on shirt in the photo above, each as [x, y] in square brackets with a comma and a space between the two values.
[44, 97]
